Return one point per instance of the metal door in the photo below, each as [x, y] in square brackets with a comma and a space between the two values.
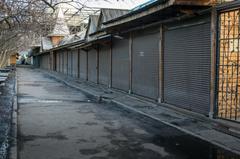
[83, 65]
[65, 62]
[61, 61]
[75, 63]
[92, 65]
[57, 62]
[145, 62]
[70, 63]
[187, 65]
[120, 63]
[104, 65]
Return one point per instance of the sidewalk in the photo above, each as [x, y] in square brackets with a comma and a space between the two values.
[188, 122]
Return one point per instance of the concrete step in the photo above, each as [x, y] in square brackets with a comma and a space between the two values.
[228, 128]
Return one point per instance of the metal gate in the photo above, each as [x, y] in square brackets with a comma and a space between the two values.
[83, 65]
[104, 65]
[145, 62]
[120, 63]
[228, 99]
[92, 65]
[187, 64]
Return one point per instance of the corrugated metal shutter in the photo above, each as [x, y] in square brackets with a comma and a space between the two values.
[83, 65]
[120, 64]
[187, 67]
[145, 62]
[92, 65]
[104, 64]
[57, 62]
[60, 61]
[65, 57]
[75, 63]
[70, 63]
[45, 61]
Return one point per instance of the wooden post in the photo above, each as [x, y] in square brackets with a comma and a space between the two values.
[78, 64]
[161, 65]
[87, 66]
[213, 60]
[110, 72]
[130, 63]
[67, 62]
[97, 58]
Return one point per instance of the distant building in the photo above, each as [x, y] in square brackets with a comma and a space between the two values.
[12, 61]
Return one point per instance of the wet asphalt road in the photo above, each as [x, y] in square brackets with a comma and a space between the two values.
[59, 122]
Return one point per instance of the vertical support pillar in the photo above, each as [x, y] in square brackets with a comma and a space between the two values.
[110, 63]
[67, 63]
[78, 64]
[161, 65]
[97, 58]
[213, 60]
[87, 66]
[130, 62]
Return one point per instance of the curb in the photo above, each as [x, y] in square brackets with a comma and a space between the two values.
[124, 106]
[13, 152]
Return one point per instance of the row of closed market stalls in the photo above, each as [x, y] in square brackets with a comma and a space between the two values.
[162, 51]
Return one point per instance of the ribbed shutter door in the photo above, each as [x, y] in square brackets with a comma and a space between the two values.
[65, 62]
[57, 62]
[187, 58]
[104, 64]
[70, 63]
[83, 65]
[75, 63]
[40, 61]
[120, 64]
[92, 65]
[145, 62]
[60, 62]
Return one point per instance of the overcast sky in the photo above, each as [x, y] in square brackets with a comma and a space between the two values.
[121, 4]
[126, 4]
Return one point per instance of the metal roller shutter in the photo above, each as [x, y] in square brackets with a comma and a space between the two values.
[60, 61]
[83, 65]
[104, 65]
[70, 63]
[75, 63]
[187, 67]
[92, 65]
[145, 62]
[120, 64]
[57, 62]
[65, 62]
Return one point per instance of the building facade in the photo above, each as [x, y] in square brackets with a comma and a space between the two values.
[179, 53]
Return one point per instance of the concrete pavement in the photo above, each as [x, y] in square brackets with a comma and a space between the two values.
[60, 122]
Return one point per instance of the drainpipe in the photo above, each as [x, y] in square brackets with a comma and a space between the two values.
[213, 60]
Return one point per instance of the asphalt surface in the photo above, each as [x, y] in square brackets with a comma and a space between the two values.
[59, 122]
